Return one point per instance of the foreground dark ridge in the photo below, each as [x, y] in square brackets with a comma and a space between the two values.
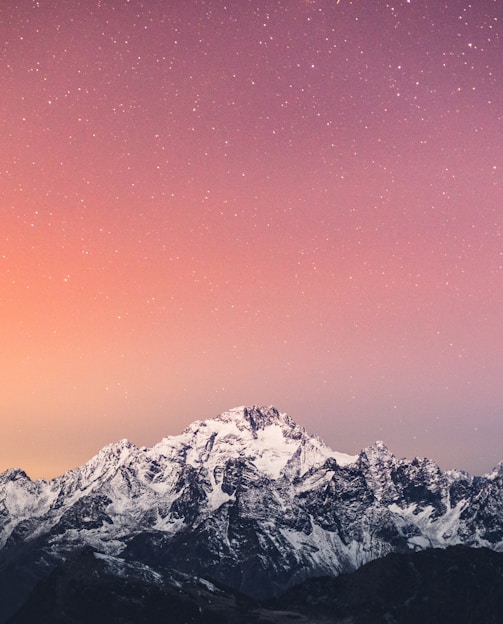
[247, 498]
[459, 585]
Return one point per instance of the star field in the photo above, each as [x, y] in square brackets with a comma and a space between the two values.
[207, 204]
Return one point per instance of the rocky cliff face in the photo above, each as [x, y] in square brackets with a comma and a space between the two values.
[247, 498]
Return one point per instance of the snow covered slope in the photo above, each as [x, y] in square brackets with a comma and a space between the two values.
[247, 498]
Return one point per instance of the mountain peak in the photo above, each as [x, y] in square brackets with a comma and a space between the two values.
[377, 452]
[257, 417]
[115, 450]
[260, 419]
[13, 474]
[496, 472]
[380, 447]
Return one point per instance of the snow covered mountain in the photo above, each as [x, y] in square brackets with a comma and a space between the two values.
[248, 499]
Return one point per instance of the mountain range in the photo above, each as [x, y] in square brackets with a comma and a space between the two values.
[248, 502]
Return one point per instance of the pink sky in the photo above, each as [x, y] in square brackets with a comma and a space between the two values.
[208, 204]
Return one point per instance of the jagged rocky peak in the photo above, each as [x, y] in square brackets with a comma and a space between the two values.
[257, 417]
[113, 453]
[120, 445]
[116, 450]
[379, 448]
[14, 474]
[496, 472]
[377, 453]
[269, 439]
[106, 461]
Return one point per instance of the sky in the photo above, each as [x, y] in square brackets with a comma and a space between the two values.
[214, 203]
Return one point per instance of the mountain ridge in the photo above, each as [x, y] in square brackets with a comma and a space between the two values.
[248, 413]
[247, 498]
[458, 584]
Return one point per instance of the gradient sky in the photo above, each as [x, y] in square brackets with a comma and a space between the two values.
[210, 203]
